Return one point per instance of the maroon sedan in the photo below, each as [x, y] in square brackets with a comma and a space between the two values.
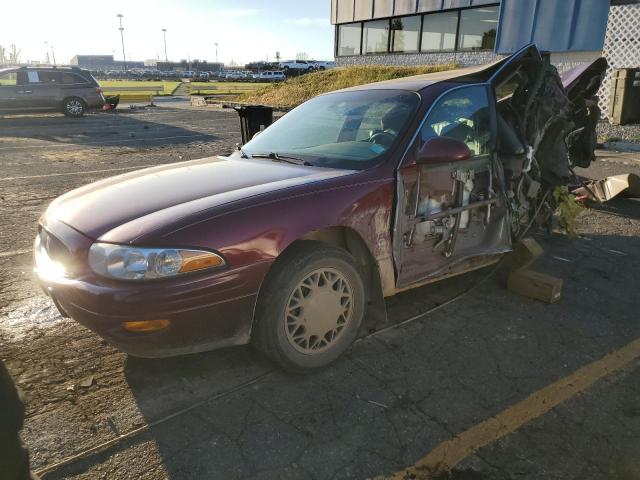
[353, 196]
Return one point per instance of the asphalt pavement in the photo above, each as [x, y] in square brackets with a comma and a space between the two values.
[506, 387]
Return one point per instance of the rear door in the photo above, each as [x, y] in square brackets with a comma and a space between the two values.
[32, 93]
[47, 91]
[437, 232]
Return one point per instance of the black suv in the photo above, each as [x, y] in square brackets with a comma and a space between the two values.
[69, 90]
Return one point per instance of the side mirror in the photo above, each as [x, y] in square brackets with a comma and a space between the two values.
[443, 150]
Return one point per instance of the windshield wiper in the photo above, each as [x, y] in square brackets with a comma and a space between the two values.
[282, 158]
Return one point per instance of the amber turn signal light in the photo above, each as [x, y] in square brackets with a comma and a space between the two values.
[192, 261]
[145, 326]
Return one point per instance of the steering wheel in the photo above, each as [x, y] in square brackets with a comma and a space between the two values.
[382, 138]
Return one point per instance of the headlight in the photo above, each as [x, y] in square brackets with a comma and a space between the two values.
[133, 263]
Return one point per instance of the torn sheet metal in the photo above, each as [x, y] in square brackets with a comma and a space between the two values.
[610, 187]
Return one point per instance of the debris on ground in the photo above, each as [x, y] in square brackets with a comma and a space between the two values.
[86, 382]
[527, 282]
[604, 190]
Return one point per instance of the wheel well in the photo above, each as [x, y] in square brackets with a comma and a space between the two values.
[351, 241]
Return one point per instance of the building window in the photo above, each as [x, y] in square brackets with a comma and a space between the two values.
[349, 39]
[375, 37]
[478, 27]
[405, 34]
[439, 31]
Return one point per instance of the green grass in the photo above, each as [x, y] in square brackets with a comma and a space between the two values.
[220, 88]
[169, 87]
[300, 89]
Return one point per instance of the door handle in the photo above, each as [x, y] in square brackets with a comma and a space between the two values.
[25, 91]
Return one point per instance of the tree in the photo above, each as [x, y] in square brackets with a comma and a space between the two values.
[302, 56]
[14, 55]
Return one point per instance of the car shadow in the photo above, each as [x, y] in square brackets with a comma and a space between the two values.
[625, 207]
[130, 129]
[392, 398]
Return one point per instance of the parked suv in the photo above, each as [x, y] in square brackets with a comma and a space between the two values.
[270, 76]
[302, 65]
[69, 90]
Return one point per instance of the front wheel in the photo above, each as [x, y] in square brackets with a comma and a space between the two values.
[311, 307]
[73, 107]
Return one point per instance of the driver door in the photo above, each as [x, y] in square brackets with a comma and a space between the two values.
[448, 212]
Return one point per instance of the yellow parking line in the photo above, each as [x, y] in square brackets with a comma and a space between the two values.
[451, 452]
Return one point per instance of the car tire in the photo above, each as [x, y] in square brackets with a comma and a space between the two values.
[310, 308]
[73, 107]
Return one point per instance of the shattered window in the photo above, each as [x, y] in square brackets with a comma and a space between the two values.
[463, 115]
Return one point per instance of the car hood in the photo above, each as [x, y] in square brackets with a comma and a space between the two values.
[178, 190]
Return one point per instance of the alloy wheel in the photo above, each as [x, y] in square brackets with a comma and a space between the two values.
[74, 107]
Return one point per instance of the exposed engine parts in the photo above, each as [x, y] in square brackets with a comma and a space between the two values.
[543, 131]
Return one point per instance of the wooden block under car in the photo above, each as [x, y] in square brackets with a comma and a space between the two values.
[525, 252]
[535, 285]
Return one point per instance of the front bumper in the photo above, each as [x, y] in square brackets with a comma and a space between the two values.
[205, 311]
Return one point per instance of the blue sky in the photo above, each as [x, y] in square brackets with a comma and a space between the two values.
[245, 30]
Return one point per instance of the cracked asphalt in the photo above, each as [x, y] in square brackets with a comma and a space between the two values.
[391, 400]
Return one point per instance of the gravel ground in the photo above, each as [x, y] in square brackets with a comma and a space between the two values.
[625, 133]
[383, 406]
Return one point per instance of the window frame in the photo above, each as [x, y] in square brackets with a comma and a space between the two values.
[392, 37]
[456, 34]
[422, 15]
[459, 33]
[363, 49]
[9, 72]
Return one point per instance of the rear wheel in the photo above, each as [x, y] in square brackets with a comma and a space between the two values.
[73, 107]
[311, 307]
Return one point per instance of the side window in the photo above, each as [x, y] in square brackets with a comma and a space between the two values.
[32, 76]
[8, 78]
[50, 78]
[462, 114]
[69, 78]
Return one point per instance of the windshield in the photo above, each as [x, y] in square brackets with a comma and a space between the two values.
[341, 130]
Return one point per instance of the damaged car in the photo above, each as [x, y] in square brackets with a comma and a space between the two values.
[298, 236]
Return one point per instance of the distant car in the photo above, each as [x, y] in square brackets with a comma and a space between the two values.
[270, 76]
[351, 197]
[69, 90]
[233, 75]
[297, 65]
[204, 76]
[321, 65]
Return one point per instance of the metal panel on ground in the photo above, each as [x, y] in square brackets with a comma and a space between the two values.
[555, 26]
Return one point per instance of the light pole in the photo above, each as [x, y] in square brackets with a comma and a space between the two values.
[53, 53]
[164, 33]
[124, 57]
